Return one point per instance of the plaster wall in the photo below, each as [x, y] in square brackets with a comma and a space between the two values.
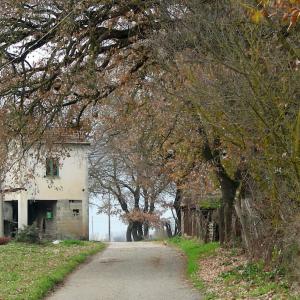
[71, 184]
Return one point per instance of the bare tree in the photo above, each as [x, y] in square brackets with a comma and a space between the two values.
[122, 166]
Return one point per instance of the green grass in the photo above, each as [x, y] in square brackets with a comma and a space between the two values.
[73, 242]
[254, 281]
[250, 281]
[29, 271]
[194, 250]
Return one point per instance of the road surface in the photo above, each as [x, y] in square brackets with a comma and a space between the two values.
[130, 271]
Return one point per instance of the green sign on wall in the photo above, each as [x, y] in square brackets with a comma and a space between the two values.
[49, 215]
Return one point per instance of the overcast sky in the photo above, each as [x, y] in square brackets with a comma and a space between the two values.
[99, 226]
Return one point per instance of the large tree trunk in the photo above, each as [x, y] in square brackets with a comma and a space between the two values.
[148, 209]
[177, 207]
[169, 230]
[221, 224]
[129, 232]
[228, 188]
[246, 236]
[251, 222]
[146, 230]
[140, 232]
[134, 231]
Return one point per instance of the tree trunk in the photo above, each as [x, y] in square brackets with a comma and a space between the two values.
[140, 231]
[134, 232]
[246, 237]
[221, 224]
[228, 218]
[177, 207]
[137, 231]
[228, 188]
[129, 232]
[146, 230]
[169, 230]
[251, 222]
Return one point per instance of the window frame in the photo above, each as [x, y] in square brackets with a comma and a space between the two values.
[52, 167]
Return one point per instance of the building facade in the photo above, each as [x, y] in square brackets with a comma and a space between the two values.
[51, 192]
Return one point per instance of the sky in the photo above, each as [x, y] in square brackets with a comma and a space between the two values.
[99, 227]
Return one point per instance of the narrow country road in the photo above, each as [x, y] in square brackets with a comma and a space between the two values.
[130, 271]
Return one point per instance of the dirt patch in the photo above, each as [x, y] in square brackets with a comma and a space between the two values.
[224, 261]
[156, 261]
[109, 260]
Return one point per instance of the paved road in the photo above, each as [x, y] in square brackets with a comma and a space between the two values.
[130, 271]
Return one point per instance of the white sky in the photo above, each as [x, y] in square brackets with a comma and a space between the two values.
[99, 226]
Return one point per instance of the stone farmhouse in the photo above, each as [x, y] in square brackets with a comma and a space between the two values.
[55, 198]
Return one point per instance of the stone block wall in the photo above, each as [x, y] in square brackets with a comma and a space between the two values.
[68, 219]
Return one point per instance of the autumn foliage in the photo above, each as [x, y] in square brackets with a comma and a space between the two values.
[181, 98]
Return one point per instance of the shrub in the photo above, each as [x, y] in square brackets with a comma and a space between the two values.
[29, 234]
[4, 240]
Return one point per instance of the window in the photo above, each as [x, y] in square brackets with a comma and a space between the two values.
[75, 212]
[75, 207]
[52, 167]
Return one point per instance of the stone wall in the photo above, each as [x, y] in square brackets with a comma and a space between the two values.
[69, 219]
[65, 221]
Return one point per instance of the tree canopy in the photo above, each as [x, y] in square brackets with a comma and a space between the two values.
[202, 95]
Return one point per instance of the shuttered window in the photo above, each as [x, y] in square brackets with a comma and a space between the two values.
[52, 167]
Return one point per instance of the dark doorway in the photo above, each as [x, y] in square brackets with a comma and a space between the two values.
[10, 218]
[42, 213]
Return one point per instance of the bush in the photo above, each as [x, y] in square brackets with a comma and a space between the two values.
[4, 240]
[29, 234]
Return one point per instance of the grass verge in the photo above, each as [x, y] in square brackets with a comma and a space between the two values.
[250, 280]
[30, 271]
[194, 252]
[227, 274]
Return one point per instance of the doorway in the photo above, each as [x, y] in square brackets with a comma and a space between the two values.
[42, 213]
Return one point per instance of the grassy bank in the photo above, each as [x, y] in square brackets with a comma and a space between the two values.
[30, 271]
[194, 252]
[227, 274]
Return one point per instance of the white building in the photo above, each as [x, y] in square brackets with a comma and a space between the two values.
[54, 197]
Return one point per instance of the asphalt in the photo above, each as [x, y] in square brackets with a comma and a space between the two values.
[130, 271]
